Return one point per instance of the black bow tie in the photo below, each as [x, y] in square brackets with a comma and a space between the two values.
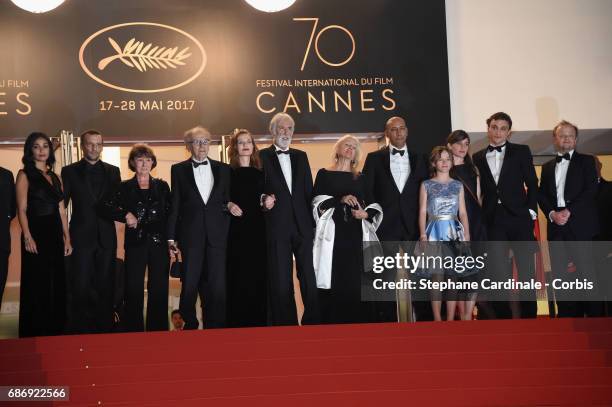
[498, 148]
[197, 164]
[565, 156]
[279, 152]
[396, 151]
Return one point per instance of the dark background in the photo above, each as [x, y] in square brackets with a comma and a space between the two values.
[405, 40]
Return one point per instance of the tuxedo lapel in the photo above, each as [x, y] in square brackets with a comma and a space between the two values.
[572, 171]
[214, 167]
[277, 166]
[481, 157]
[188, 172]
[293, 159]
[505, 164]
[107, 177]
[548, 172]
[386, 162]
[81, 171]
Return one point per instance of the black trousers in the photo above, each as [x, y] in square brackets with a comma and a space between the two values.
[91, 274]
[563, 250]
[4, 258]
[204, 274]
[282, 308]
[503, 231]
[138, 259]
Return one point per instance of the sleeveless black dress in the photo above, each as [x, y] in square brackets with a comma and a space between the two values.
[42, 309]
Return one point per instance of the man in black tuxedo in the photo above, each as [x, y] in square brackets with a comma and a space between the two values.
[290, 226]
[92, 264]
[510, 194]
[7, 213]
[198, 225]
[567, 194]
[393, 176]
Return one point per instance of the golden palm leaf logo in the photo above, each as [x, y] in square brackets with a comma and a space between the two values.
[142, 57]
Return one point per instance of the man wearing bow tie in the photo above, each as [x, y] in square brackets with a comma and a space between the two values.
[509, 189]
[198, 225]
[290, 226]
[392, 177]
[567, 195]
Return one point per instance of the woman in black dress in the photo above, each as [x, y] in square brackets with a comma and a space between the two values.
[466, 172]
[143, 204]
[340, 187]
[44, 225]
[246, 268]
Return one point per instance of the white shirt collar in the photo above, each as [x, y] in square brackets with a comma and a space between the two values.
[280, 149]
[405, 148]
[571, 153]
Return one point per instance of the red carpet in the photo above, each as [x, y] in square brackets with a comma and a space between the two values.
[484, 363]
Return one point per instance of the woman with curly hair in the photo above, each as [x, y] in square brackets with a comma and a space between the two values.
[246, 268]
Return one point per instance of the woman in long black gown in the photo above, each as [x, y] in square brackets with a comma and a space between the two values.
[45, 241]
[246, 268]
[466, 172]
[341, 303]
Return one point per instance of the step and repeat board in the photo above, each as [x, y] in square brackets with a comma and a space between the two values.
[150, 69]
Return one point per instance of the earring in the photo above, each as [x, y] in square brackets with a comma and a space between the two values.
[336, 156]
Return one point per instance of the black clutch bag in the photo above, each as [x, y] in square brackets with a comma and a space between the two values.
[176, 269]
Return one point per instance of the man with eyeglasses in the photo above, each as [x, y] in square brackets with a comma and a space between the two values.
[393, 176]
[198, 226]
[94, 239]
[289, 225]
[567, 196]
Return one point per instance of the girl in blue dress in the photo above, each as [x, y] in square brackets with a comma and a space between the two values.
[442, 217]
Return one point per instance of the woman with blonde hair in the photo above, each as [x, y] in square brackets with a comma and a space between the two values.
[246, 251]
[344, 222]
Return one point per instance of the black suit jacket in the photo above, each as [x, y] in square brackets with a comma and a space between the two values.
[517, 172]
[7, 208]
[604, 203]
[191, 222]
[400, 211]
[86, 227]
[294, 207]
[580, 194]
[152, 215]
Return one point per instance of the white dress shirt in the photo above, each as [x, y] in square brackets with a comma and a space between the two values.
[560, 176]
[285, 163]
[400, 166]
[204, 179]
[495, 159]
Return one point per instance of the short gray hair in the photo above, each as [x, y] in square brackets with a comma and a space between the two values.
[189, 134]
[277, 118]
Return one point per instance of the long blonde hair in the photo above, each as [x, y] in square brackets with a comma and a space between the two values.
[355, 162]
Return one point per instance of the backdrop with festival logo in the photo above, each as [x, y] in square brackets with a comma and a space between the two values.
[149, 69]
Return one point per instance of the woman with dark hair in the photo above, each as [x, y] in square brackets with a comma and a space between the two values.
[465, 171]
[143, 204]
[246, 268]
[46, 240]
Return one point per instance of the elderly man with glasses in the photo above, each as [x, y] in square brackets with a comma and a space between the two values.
[198, 226]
